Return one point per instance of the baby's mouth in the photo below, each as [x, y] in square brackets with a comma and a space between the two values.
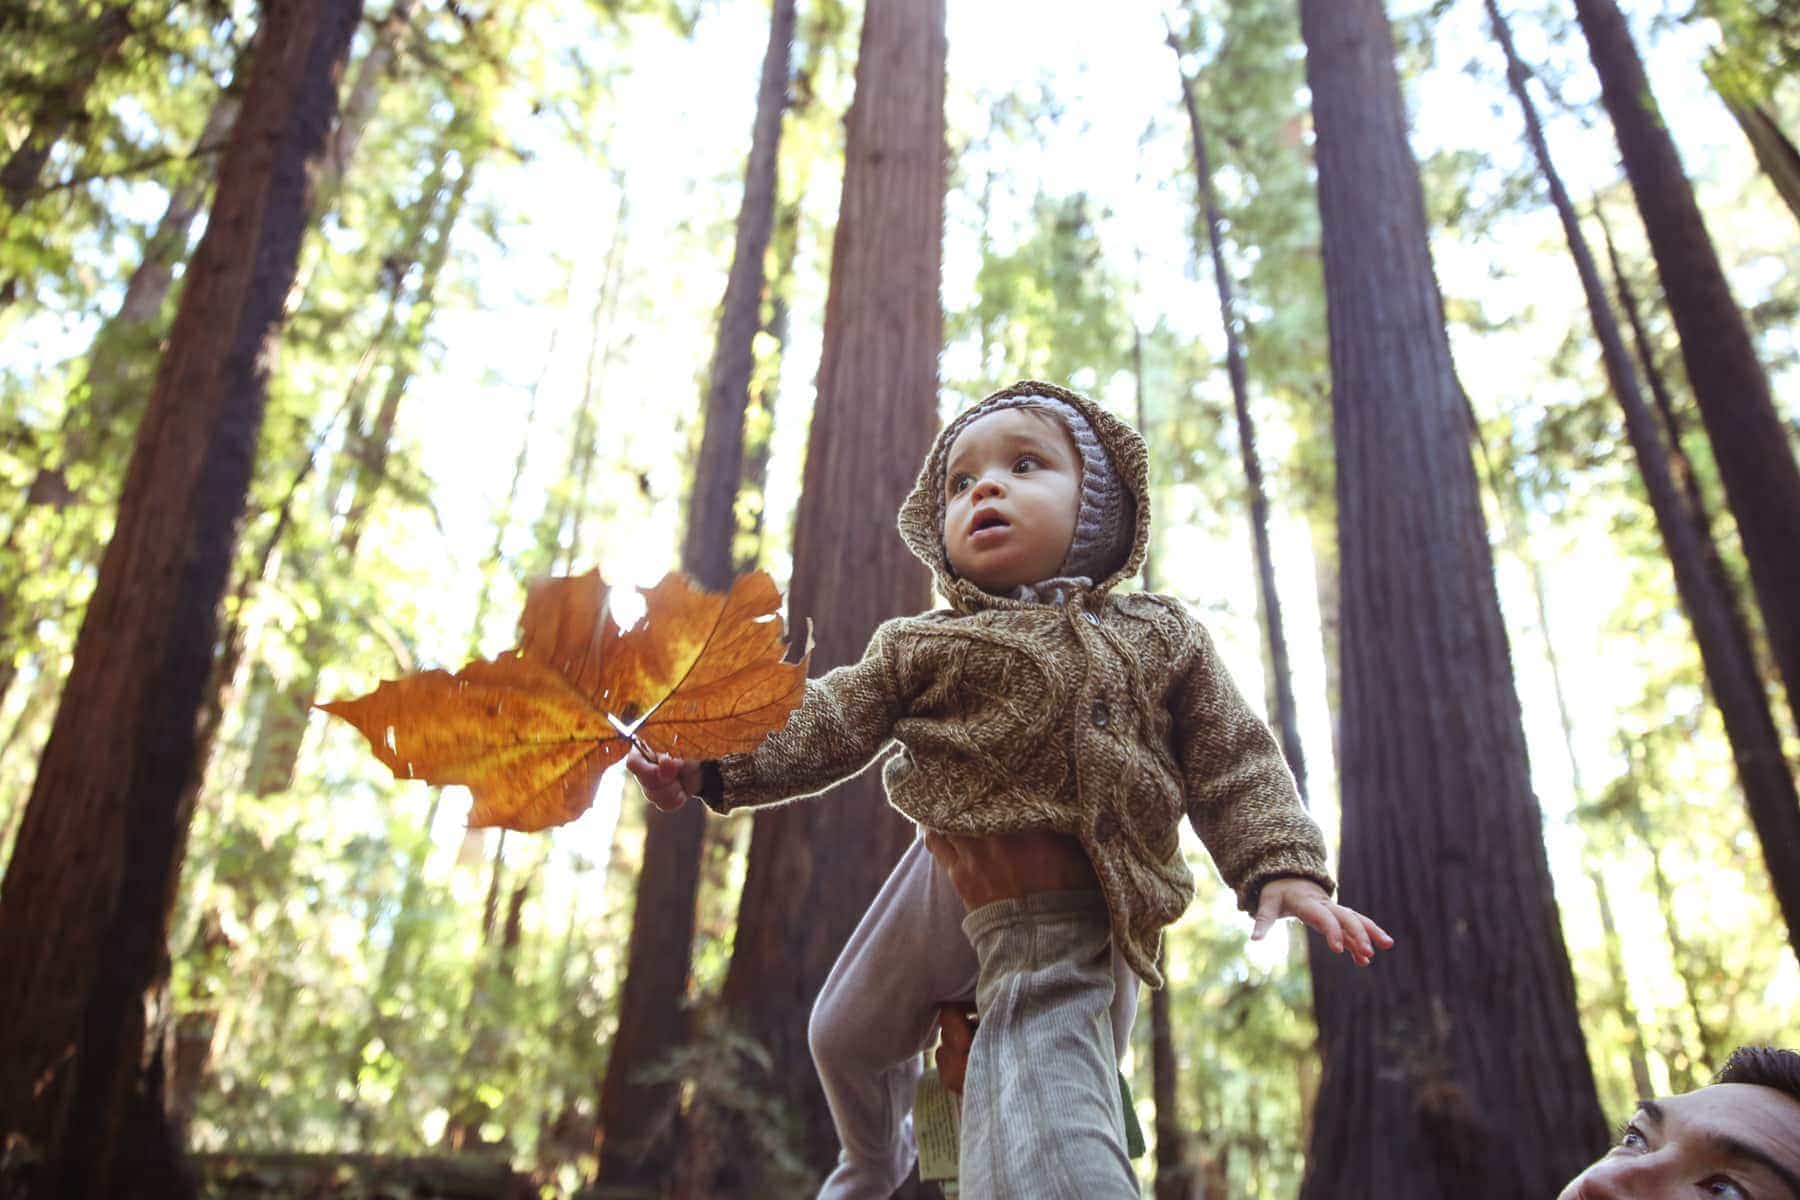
[986, 521]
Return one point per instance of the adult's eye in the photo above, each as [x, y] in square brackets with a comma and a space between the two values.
[1632, 1138]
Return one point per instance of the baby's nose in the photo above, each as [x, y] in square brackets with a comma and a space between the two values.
[987, 485]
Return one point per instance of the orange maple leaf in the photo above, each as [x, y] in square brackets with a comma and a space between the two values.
[699, 675]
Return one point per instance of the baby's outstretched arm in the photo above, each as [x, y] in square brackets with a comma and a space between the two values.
[1304, 900]
[668, 782]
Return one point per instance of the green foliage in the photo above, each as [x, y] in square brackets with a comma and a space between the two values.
[329, 933]
[1759, 49]
[1244, 1041]
[1249, 81]
[1050, 308]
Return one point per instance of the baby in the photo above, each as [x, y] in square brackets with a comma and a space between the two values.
[1038, 702]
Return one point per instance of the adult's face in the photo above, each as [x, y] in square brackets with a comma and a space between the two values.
[1737, 1141]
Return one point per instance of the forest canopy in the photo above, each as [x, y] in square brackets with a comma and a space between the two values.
[330, 329]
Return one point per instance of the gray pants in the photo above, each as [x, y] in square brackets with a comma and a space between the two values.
[1041, 1116]
[874, 1017]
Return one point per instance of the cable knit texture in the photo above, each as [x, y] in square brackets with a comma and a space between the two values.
[1106, 717]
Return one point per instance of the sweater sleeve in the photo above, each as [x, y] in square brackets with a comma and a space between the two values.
[1240, 795]
[843, 721]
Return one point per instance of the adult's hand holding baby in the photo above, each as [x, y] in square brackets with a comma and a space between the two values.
[1342, 928]
[957, 1023]
[667, 781]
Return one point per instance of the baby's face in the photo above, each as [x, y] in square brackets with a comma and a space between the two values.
[1012, 491]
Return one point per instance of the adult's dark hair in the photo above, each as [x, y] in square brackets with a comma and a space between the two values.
[1764, 1066]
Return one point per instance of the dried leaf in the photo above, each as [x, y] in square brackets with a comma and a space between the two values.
[527, 732]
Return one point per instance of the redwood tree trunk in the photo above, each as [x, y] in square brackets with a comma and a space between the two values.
[814, 866]
[1756, 462]
[1700, 582]
[1456, 1065]
[638, 1121]
[84, 910]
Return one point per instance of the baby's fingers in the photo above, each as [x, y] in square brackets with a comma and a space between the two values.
[1382, 937]
[1321, 918]
[638, 765]
[1362, 946]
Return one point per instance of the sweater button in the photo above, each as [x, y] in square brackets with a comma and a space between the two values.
[1102, 715]
[1106, 827]
[1091, 618]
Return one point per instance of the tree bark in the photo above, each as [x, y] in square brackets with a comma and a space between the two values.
[813, 867]
[1672, 424]
[1457, 1066]
[1750, 444]
[84, 910]
[639, 1121]
[1328, 587]
[1700, 582]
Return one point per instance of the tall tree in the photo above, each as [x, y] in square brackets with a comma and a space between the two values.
[85, 904]
[1281, 682]
[1287, 724]
[1700, 581]
[1750, 444]
[637, 1119]
[813, 867]
[1457, 1065]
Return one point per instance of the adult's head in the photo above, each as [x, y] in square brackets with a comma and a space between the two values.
[1738, 1139]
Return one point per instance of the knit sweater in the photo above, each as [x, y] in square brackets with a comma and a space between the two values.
[1108, 717]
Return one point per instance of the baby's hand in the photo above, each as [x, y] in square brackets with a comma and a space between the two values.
[1307, 902]
[667, 782]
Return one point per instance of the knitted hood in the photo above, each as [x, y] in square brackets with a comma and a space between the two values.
[922, 514]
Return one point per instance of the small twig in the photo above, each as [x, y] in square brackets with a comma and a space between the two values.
[137, 168]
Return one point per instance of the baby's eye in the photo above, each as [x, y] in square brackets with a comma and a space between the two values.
[958, 484]
[1026, 463]
[1722, 1185]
